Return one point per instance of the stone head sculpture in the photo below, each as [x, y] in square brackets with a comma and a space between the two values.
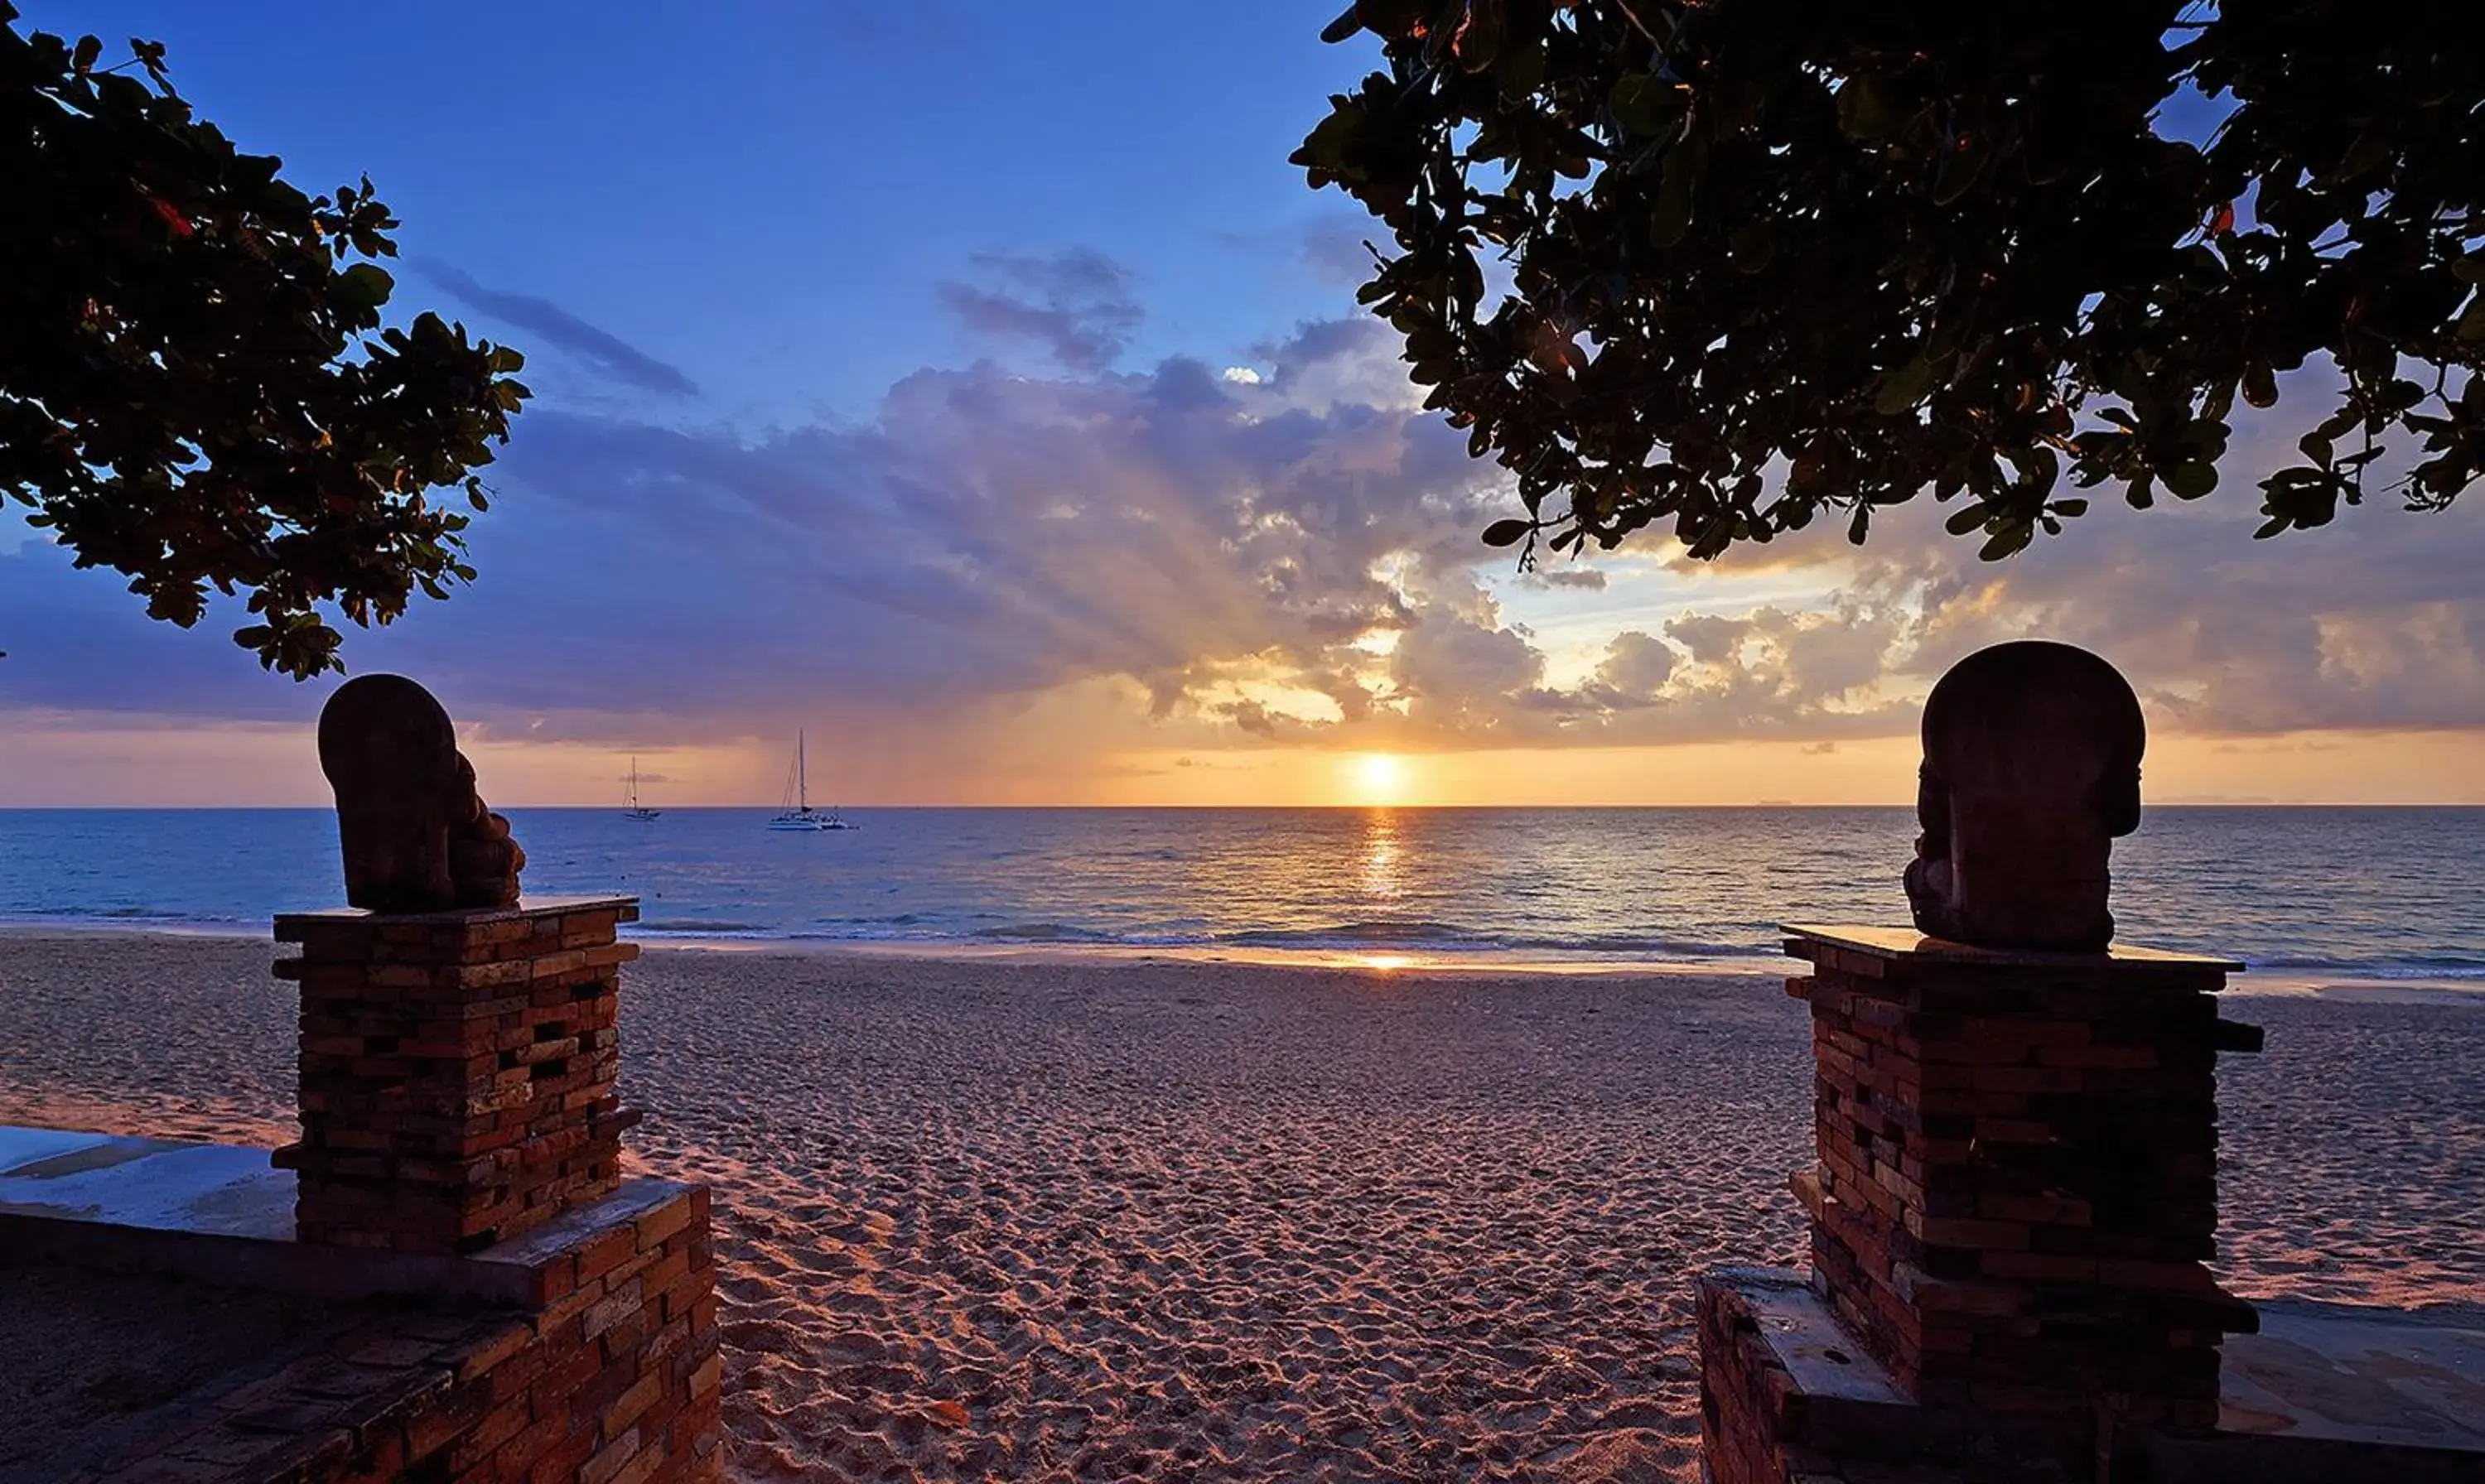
[417, 836]
[2031, 772]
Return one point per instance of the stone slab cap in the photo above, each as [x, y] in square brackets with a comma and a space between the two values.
[1806, 1339]
[220, 1213]
[1907, 944]
[624, 910]
[2354, 1374]
[166, 1183]
[540, 1262]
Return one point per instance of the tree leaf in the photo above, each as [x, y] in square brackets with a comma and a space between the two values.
[1645, 105]
[367, 283]
[1961, 521]
[1902, 387]
[1865, 110]
[221, 411]
[2191, 481]
[2009, 541]
[1890, 257]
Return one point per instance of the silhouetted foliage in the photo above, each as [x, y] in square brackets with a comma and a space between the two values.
[1877, 249]
[195, 386]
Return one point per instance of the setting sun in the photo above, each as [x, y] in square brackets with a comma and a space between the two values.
[1379, 778]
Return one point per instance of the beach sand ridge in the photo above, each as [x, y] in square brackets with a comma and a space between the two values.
[1079, 1222]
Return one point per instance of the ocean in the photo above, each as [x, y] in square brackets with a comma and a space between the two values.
[2328, 893]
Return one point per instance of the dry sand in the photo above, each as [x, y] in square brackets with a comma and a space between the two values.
[1082, 1221]
[92, 1364]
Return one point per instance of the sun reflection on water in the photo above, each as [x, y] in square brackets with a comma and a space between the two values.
[1381, 853]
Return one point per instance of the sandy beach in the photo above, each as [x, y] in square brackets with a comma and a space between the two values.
[1075, 1220]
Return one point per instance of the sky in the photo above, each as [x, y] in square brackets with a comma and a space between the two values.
[976, 388]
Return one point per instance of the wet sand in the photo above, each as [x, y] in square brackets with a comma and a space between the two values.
[1080, 1221]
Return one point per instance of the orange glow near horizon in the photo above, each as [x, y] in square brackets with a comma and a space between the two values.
[1379, 778]
[49, 763]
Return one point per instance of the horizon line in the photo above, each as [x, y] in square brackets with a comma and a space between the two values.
[2185, 802]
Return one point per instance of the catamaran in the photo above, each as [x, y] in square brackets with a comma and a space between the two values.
[796, 812]
[638, 811]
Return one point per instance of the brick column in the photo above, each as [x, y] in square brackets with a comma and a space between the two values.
[2016, 1193]
[457, 1070]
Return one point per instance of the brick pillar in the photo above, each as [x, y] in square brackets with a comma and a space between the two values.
[2017, 1186]
[457, 1070]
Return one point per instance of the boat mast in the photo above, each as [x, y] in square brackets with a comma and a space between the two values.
[802, 778]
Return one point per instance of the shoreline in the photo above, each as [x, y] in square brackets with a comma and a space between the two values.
[1395, 962]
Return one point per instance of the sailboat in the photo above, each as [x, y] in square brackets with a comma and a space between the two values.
[801, 816]
[638, 811]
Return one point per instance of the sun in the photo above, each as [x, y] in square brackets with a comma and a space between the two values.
[1379, 778]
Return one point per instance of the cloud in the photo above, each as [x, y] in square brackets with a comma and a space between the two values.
[1458, 672]
[607, 352]
[1199, 561]
[2376, 622]
[1335, 249]
[983, 536]
[1252, 717]
[1636, 665]
[1077, 306]
[1713, 639]
[1325, 240]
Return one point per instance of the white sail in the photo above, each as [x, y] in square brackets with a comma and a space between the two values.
[635, 810]
[796, 813]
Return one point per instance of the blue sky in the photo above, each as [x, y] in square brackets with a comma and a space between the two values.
[977, 386]
[770, 194]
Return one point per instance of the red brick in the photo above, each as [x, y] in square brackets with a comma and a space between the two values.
[609, 1460]
[632, 1404]
[607, 1252]
[499, 1347]
[659, 1225]
[569, 1373]
[705, 1379]
[501, 1423]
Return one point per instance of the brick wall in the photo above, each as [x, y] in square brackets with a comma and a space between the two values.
[1738, 1382]
[457, 1071]
[2016, 1191]
[616, 1381]
[457, 1102]
[608, 1369]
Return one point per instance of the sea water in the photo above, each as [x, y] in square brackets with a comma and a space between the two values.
[2361, 893]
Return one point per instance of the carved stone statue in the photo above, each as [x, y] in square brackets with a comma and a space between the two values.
[417, 836]
[2031, 772]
